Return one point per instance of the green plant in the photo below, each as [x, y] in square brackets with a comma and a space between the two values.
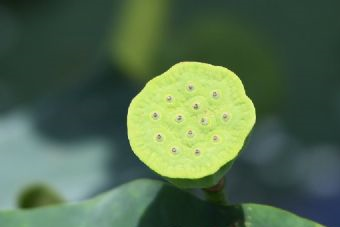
[188, 125]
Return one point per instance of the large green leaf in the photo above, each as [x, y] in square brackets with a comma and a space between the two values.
[151, 203]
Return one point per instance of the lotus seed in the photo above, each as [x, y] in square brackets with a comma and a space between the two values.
[215, 138]
[169, 98]
[190, 87]
[204, 121]
[190, 133]
[225, 116]
[197, 151]
[159, 137]
[155, 115]
[174, 150]
[179, 118]
[195, 106]
[215, 95]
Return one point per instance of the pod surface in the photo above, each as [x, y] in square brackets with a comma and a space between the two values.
[190, 121]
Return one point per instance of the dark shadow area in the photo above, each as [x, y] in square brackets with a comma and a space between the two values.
[49, 46]
[172, 207]
[94, 108]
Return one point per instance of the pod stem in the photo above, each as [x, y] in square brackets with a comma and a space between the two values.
[216, 194]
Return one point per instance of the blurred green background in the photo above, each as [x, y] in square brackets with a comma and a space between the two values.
[69, 68]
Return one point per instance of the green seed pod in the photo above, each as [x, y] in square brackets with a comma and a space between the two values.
[193, 139]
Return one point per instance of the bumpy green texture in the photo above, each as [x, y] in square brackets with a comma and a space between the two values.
[146, 203]
[190, 123]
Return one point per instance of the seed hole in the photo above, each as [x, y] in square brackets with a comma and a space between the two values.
[197, 151]
[174, 150]
[159, 137]
[215, 95]
[204, 121]
[190, 87]
[215, 138]
[195, 106]
[169, 98]
[155, 115]
[225, 116]
[190, 133]
[179, 118]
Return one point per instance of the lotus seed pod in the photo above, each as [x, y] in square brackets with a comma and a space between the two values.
[200, 119]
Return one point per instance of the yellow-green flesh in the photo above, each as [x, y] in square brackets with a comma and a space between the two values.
[216, 118]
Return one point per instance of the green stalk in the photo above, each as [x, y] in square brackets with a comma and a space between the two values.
[216, 194]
